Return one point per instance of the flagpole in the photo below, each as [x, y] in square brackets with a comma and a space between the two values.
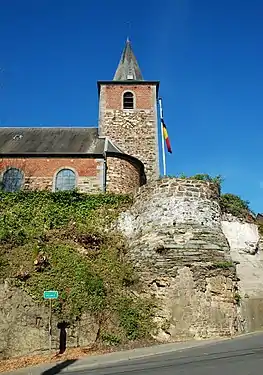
[163, 149]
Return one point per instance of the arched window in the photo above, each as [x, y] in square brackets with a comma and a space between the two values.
[65, 180]
[12, 180]
[128, 100]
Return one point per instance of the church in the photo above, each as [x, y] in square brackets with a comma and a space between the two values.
[118, 155]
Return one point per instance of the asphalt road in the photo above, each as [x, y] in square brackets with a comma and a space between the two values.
[240, 356]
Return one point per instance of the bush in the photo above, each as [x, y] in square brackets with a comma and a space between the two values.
[234, 205]
[110, 339]
[135, 317]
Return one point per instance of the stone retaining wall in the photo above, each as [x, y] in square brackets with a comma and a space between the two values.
[24, 326]
[179, 250]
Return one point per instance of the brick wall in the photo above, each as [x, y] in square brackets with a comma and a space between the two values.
[143, 95]
[39, 173]
[135, 131]
[122, 176]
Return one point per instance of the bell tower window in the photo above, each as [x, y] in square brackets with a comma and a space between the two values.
[128, 100]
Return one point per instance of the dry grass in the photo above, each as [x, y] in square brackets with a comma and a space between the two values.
[13, 364]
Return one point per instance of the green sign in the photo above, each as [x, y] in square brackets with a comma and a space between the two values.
[50, 294]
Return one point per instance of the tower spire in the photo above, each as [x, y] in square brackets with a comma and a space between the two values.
[128, 68]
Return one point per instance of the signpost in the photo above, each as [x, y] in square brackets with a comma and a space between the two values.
[50, 294]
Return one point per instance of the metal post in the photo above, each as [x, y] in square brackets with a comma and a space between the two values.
[50, 325]
[163, 149]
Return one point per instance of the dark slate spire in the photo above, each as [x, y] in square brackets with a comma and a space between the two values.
[128, 68]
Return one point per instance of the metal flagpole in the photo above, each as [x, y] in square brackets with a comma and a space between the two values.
[163, 149]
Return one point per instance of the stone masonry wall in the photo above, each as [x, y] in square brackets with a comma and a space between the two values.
[39, 173]
[178, 247]
[24, 326]
[133, 131]
[122, 176]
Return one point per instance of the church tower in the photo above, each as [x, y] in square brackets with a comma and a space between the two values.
[128, 112]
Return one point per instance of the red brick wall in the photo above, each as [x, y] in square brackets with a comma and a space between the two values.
[143, 96]
[39, 172]
[122, 176]
[40, 167]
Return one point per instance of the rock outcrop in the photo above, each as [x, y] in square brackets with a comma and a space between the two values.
[246, 251]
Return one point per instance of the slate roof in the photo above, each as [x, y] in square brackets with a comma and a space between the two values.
[48, 141]
[128, 66]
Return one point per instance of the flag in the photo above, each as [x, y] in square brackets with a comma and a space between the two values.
[166, 137]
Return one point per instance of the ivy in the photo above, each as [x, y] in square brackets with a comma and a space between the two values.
[57, 241]
[25, 216]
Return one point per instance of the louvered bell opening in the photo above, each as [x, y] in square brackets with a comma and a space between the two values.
[128, 100]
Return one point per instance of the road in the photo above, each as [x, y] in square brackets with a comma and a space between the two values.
[241, 356]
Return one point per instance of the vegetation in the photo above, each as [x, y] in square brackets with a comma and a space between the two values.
[58, 241]
[204, 177]
[260, 228]
[237, 298]
[224, 265]
[234, 205]
[230, 203]
[201, 177]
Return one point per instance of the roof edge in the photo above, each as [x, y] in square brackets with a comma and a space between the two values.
[28, 155]
[49, 127]
[107, 142]
[114, 146]
[129, 83]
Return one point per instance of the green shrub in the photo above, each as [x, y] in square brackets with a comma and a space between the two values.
[260, 228]
[237, 298]
[110, 339]
[135, 317]
[223, 265]
[234, 205]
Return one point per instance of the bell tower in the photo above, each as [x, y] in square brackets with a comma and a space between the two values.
[128, 112]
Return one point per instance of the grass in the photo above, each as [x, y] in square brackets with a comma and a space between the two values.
[58, 241]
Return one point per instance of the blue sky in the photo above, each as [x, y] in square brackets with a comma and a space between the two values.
[207, 54]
